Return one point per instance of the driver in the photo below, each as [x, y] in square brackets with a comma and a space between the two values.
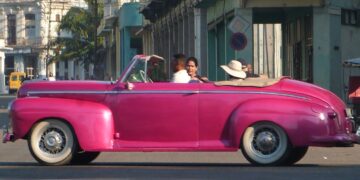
[178, 65]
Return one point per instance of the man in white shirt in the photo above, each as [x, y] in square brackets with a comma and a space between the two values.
[180, 74]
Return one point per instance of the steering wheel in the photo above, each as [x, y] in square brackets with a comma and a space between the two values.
[144, 77]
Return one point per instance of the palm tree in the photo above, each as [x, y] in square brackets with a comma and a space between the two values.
[81, 24]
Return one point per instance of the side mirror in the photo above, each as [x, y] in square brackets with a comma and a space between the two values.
[129, 86]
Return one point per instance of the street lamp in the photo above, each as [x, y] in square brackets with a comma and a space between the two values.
[45, 14]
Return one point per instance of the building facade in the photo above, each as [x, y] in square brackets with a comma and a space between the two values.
[316, 35]
[119, 27]
[175, 26]
[26, 28]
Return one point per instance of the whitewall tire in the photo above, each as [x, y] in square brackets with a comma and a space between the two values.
[265, 144]
[52, 142]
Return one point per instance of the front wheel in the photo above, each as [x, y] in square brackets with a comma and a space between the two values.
[265, 144]
[82, 158]
[52, 142]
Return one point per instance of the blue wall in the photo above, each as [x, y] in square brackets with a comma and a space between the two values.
[129, 17]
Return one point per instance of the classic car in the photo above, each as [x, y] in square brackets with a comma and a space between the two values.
[272, 121]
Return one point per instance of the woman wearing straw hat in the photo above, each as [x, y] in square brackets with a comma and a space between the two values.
[234, 70]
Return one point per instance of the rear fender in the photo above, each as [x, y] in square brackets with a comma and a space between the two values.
[92, 122]
[294, 116]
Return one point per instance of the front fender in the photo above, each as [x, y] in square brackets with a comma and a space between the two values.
[92, 122]
[294, 116]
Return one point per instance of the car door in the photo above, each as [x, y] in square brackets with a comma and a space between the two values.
[156, 115]
[216, 105]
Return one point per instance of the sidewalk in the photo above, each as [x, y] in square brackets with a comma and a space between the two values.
[7, 95]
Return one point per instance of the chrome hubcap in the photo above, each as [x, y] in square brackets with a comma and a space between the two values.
[265, 141]
[52, 141]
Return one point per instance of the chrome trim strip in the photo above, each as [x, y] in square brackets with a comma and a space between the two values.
[32, 93]
[253, 92]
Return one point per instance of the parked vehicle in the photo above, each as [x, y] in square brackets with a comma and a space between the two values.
[353, 89]
[272, 121]
[15, 81]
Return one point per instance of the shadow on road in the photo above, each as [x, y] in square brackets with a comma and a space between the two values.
[184, 164]
[131, 170]
[148, 164]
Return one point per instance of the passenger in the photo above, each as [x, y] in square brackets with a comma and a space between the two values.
[178, 65]
[192, 67]
[235, 70]
[248, 69]
[51, 77]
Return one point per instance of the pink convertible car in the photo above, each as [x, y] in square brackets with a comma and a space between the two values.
[272, 121]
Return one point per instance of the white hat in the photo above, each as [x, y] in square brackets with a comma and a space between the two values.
[234, 68]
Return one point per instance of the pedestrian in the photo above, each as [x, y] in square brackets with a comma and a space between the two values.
[51, 77]
[180, 74]
[247, 67]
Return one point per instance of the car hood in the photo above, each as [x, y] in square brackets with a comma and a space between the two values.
[62, 88]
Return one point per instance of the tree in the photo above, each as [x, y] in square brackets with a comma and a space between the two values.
[81, 46]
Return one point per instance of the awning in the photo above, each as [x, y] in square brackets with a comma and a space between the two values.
[352, 62]
[156, 8]
[26, 50]
[147, 27]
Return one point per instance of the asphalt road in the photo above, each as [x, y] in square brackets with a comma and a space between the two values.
[319, 163]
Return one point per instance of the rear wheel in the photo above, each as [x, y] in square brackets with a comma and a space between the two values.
[296, 154]
[265, 144]
[84, 157]
[52, 142]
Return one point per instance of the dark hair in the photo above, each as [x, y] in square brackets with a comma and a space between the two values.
[243, 62]
[179, 56]
[193, 59]
[233, 77]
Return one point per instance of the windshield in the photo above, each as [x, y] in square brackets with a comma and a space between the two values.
[137, 72]
[156, 71]
[147, 71]
[14, 78]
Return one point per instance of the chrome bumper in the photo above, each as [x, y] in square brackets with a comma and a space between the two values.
[7, 137]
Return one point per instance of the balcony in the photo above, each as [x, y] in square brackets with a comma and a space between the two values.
[110, 9]
[22, 42]
[16, 1]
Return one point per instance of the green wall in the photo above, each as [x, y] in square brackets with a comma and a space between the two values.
[220, 51]
[327, 53]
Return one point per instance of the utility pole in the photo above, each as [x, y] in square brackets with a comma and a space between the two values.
[48, 44]
[95, 28]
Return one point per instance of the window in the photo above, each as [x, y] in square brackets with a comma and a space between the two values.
[30, 25]
[11, 29]
[58, 18]
[137, 73]
[350, 17]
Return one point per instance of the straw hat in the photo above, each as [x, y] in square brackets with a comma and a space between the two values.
[234, 68]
